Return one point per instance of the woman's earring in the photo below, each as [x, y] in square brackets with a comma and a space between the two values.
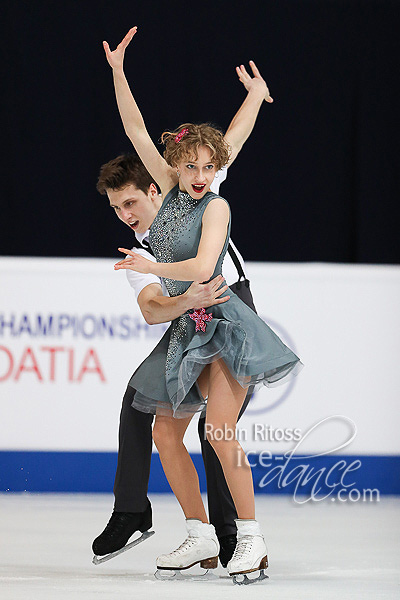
[178, 173]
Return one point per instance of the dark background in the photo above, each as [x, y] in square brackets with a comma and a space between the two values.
[317, 181]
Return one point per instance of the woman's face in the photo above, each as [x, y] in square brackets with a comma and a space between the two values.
[196, 176]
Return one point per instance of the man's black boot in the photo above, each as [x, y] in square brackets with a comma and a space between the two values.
[227, 545]
[120, 527]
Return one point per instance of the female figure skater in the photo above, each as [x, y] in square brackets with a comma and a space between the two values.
[211, 354]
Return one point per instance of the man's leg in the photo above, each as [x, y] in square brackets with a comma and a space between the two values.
[132, 509]
[134, 457]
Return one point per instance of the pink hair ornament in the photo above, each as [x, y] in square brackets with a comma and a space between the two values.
[181, 134]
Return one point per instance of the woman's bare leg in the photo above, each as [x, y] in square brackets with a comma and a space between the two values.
[225, 399]
[178, 466]
[202, 381]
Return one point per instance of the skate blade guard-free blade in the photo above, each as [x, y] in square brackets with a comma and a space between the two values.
[251, 575]
[176, 575]
[98, 561]
[171, 574]
[244, 579]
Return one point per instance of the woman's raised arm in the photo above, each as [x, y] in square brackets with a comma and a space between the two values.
[132, 119]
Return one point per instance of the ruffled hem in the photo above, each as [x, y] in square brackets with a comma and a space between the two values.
[249, 364]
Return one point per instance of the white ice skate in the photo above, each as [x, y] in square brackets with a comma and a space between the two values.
[201, 546]
[250, 553]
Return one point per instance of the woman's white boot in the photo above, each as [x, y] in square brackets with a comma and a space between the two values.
[201, 546]
[251, 551]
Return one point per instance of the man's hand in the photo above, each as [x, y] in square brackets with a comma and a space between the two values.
[157, 308]
[116, 57]
[203, 295]
[253, 83]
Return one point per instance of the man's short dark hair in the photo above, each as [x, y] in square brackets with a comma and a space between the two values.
[126, 169]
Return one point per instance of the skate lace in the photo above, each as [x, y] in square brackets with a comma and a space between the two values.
[243, 547]
[116, 524]
[188, 543]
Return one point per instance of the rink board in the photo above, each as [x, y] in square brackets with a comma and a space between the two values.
[94, 472]
[71, 334]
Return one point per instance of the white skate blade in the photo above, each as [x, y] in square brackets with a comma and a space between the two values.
[244, 579]
[98, 561]
[177, 575]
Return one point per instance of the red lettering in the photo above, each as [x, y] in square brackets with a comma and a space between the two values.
[13, 368]
[28, 355]
[70, 364]
[91, 354]
[10, 363]
[52, 351]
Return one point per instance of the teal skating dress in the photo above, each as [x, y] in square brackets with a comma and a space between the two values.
[165, 382]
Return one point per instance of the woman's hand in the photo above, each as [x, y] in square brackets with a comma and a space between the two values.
[134, 262]
[253, 83]
[116, 58]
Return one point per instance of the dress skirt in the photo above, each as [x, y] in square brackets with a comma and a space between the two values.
[165, 382]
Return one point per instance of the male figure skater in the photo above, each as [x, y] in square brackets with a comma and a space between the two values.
[134, 196]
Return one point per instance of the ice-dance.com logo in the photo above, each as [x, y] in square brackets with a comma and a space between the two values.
[308, 477]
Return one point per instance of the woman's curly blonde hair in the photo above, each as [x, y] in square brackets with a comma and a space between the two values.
[184, 142]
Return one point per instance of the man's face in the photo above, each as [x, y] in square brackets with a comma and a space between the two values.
[135, 208]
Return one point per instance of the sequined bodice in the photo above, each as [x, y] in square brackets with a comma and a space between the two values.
[176, 231]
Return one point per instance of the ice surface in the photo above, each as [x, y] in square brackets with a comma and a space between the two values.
[318, 550]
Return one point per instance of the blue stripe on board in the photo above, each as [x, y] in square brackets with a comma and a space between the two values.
[94, 472]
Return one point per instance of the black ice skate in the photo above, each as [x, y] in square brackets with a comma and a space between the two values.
[121, 526]
[227, 545]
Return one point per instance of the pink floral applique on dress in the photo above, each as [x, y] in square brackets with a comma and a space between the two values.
[200, 317]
